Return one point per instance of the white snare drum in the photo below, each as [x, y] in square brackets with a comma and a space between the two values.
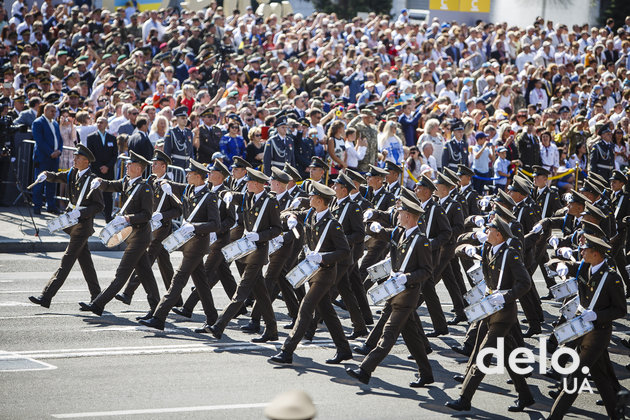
[380, 270]
[572, 329]
[213, 237]
[628, 269]
[61, 222]
[302, 273]
[113, 234]
[475, 272]
[238, 249]
[176, 239]
[385, 291]
[275, 244]
[477, 293]
[565, 289]
[480, 310]
[569, 309]
[155, 225]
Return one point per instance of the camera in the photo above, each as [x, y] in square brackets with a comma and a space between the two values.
[225, 50]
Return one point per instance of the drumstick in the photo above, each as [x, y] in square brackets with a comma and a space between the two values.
[33, 184]
[177, 200]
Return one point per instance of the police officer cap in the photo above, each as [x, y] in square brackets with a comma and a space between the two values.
[355, 176]
[464, 170]
[590, 209]
[291, 405]
[317, 162]
[602, 185]
[504, 213]
[280, 122]
[279, 175]
[529, 121]
[564, 109]
[322, 190]
[219, 166]
[345, 181]
[51, 97]
[408, 194]
[293, 173]
[590, 187]
[503, 198]
[618, 176]
[304, 121]
[524, 179]
[539, 170]
[450, 174]
[376, 171]
[194, 166]
[592, 229]
[597, 177]
[136, 158]
[255, 175]
[160, 155]
[84, 151]
[444, 180]
[457, 125]
[391, 166]
[411, 206]
[576, 197]
[605, 129]
[593, 242]
[426, 182]
[207, 112]
[502, 226]
[239, 162]
[519, 186]
[182, 111]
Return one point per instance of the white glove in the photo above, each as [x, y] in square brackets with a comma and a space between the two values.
[291, 222]
[401, 278]
[315, 257]
[166, 187]
[478, 220]
[295, 203]
[481, 236]
[119, 220]
[252, 236]
[562, 269]
[156, 217]
[496, 299]
[95, 184]
[75, 214]
[368, 215]
[227, 197]
[470, 250]
[554, 241]
[565, 252]
[537, 228]
[376, 227]
[187, 228]
[41, 177]
[587, 314]
[483, 203]
[213, 237]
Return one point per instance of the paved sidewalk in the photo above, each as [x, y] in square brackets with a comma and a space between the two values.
[17, 233]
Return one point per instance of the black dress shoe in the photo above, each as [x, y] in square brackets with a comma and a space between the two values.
[519, 405]
[548, 297]
[153, 323]
[599, 402]
[290, 325]
[265, 337]
[369, 321]
[552, 374]
[436, 334]
[249, 302]
[37, 211]
[40, 300]
[356, 334]
[211, 329]
[359, 374]
[463, 350]
[126, 299]
[421, 381]
[242, 311]
[56, 212]
[88, 307]
[362, 349]
[146, 317]
[459, 378]
[459, 404]
[309, 337]
[339, 357]
[624, 341]
[428, 350]
[186, 313]
[457, 320]
[628, 366]
[532, 331]
[282, 358]
[251, 327]
[410, 357]
[554, 393]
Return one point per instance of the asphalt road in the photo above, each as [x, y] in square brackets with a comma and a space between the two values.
[62, 363]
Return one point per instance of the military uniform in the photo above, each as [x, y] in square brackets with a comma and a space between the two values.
[455, 153]
[528, 149]
[370, 134]
[278, 151]
[209, 138]
[178, 146]
[602, 159]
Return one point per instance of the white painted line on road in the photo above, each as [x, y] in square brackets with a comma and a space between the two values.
[159, 410]
[12, 303]
[6, 281]
[14, 359]
[37, 291]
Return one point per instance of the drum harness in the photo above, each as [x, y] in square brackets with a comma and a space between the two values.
[81, 195]
[124, 207]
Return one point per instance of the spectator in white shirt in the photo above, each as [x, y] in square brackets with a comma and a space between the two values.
[549, 153]
[526, 56]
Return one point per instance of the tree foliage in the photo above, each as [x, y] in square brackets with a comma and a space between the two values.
[616, 9]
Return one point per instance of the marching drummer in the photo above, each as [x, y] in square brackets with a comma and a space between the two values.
[317, 169]
[601, 295]
[327, 246]
[137, 200]
[506, 275]
[78, 180]
[411, 266]
[201, 218]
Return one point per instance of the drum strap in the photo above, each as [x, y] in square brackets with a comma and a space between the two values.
[343, 213]
[619, 206]
[194, 212]
[159, 207]
[259, 218]
[502, 269]
[430, 221]
[124, 207]
[403, 266]
[321, 238]
[544, 212]
[598, 291]
[82, 194]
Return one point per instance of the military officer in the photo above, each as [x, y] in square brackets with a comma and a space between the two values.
[394, 174]
[201, 218]
[206, 137]
[528, 146]
[327, 245]
[317, 169]
[602, 155]
[78, 181]
[178, 143]
[279, 148]
[137, 199]
[455, 150]
[411, 266]
[466, 189]
[620, 208]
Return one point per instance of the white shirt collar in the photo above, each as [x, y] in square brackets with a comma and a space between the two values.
[410, 231]
[354, 196]
[424, 204]
[131, 181]
[257, 196]
[216, 187]
[199, 188]
[377, 191]
[594, 268]
[443, 199]
[496, 248]
[341, 200]
[540, 190]
[163, 176]
[318, 216]
[290, 190]
[83, 172]
[280, 195]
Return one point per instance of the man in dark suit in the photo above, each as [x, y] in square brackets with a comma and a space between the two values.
[529, 146]
[208, 135]
[129, 126]
[105, 150]
[139, 141]
[181, 72]
[48, 147]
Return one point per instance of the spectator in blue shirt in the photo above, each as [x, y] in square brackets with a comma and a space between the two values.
[232, 144]
[409, 124]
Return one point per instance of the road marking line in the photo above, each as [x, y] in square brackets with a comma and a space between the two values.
[8, 292]
[159, 410]
[5, 355]
[13, 303]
